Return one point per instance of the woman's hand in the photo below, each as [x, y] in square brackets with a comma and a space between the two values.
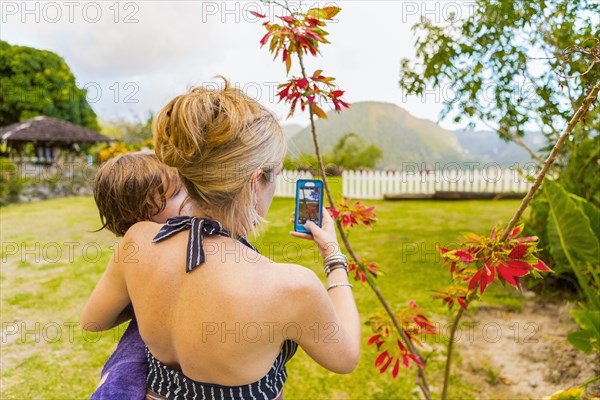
[325, 236]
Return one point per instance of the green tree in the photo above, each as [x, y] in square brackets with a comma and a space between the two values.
[512, 63]
[353, 151]
[130, 132]
[37, 82]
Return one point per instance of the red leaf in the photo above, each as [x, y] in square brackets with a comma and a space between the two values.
[386, 365]
[373, 339]
[381, 358]
[516, 231]
[313, 35]
[519, 251]
[487, 276]
[265, 38]
[516, 264]
[463, 256]
[346, 220]
[302, 41]
[541, 266]
[505, 274]
[416, 360]
[475, 280]
[527, 239]
[312, 21]
[400, 346]
[482, 283]
[452, 267]
[395, 369]
[443, 250]
[257, 14]
[302, 83]
[289, 19]
[405, 360]
[334, 213]
[462, 303]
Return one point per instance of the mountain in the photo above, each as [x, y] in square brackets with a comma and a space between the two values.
[291, 129]
[486, 147]
[402, 137]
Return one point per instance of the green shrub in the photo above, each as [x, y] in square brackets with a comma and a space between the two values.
[11, 183]
[581, 179]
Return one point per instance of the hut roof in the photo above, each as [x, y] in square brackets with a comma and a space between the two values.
[47, 129]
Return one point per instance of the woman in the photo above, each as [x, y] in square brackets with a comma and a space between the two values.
[220, 320]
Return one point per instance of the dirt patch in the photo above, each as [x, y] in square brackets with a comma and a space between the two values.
[523, 354]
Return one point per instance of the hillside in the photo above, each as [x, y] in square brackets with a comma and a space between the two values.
[402, 137]
[291, 129]
[486, 146]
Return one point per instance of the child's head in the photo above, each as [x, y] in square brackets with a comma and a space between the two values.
[134, 187]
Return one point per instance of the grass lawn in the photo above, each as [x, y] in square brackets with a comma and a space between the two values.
[51, 260]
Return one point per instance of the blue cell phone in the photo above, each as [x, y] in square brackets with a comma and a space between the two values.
[309, 203]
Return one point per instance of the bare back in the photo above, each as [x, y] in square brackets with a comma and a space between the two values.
[221, 323]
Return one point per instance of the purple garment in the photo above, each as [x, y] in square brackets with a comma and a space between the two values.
[127, 368]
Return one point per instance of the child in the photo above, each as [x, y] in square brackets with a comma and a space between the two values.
[130, 188]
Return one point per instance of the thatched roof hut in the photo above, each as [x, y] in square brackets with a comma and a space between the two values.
[48, 135]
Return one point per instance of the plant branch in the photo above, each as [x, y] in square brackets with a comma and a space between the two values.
[453, 329]
[590, 98]
[422, 379]
[583, 109]
[313, 131]
[449, 353]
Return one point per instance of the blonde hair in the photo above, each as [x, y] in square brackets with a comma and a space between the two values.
[218, 138]
[133, 187]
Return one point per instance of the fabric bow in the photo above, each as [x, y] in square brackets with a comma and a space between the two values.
[198, 227]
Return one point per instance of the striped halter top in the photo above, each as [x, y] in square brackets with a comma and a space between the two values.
[172, 383]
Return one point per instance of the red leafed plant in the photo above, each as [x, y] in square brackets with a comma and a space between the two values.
[482, 259]
[474, 264]
[452, 295]
[301, 33]
[363, 269]
[392, 349]
[312, 91]
[350, 214]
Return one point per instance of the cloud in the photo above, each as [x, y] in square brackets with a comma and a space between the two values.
[150, 51]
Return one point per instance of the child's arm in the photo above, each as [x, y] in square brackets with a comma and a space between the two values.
[107, 306]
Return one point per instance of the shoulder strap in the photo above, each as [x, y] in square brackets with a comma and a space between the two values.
[198, 227]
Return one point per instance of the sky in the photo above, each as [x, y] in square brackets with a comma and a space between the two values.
[134, 56]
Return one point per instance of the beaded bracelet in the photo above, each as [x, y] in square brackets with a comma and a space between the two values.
[339, 284]
[334, 257]
[334, 267]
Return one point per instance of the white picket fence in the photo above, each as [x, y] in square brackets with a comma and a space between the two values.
[286, 182]
[374, 184]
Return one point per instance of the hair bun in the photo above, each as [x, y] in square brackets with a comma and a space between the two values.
[217, 137]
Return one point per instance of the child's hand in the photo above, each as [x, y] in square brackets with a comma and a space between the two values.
[325, 236]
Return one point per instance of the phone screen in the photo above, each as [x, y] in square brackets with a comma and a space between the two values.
[309, 203]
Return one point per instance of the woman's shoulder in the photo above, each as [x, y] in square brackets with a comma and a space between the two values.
[297, 277]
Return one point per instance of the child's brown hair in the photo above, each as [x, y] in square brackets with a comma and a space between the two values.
[133, 187]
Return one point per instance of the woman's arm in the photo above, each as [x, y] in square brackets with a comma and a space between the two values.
[329, 319]
[107, 306]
